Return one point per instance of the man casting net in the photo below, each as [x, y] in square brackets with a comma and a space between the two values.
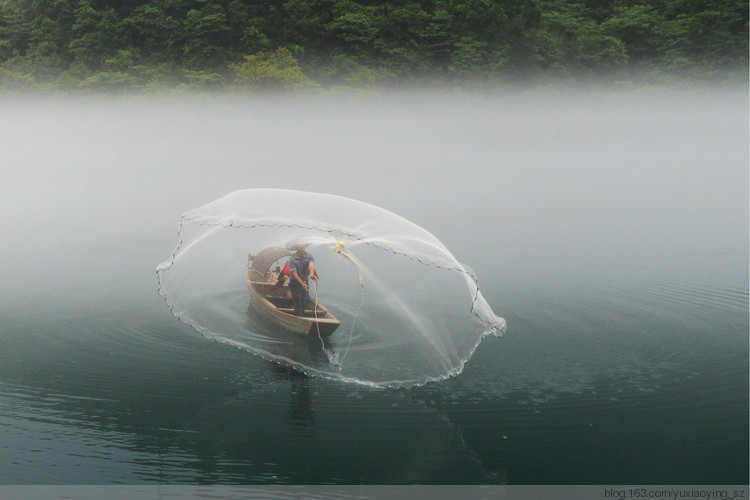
[329, 285]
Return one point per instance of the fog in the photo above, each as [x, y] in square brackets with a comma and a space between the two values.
[518, 187]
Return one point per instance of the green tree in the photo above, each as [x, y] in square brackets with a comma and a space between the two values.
[469, 58]
[205, 36]
[525, 20]
[482, 20]
[601, 53]
[573, 46]
[637, 27]
[96, 35]
[153, 32]
[709, 36]
[436, 40]
[401, 21]
[355, 32]
[276, 71]
[305, 23]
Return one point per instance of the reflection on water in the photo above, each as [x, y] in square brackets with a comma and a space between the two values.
[300, 350]
[301, 412]
[129, 396]
[211, 414]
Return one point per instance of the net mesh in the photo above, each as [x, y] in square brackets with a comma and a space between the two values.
[409, 312]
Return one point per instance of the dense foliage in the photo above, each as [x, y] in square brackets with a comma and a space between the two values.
[308, 43]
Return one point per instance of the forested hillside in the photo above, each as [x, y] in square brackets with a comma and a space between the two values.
[258, 44]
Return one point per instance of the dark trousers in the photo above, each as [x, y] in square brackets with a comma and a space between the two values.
[300, 297]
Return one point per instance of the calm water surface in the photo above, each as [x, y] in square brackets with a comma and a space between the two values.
[611, 233]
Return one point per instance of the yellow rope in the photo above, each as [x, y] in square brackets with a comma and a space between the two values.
[339, 250]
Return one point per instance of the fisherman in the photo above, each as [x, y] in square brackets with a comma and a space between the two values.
[302, 267]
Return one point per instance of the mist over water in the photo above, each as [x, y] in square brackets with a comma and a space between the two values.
[584, 177]
[610, 230]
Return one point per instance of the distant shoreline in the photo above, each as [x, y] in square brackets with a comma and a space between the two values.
[535, 87]
[154, 46]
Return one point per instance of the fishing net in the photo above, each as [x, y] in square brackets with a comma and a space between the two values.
[404, 311]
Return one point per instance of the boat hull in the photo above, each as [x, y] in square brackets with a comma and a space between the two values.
[276, 305]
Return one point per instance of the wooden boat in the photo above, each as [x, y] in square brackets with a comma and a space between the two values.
[275, 303]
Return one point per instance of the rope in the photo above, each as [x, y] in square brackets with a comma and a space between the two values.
[315, 312]
[339, 250]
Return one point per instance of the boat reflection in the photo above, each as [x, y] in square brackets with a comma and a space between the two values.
[288, 348]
